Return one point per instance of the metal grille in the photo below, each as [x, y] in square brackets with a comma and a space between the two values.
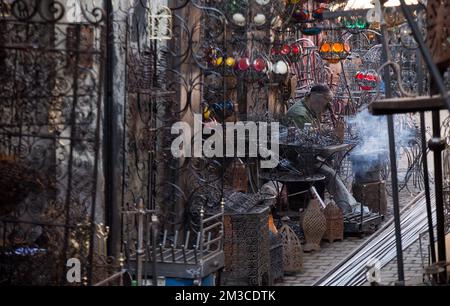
[247, 248]
[50, 96]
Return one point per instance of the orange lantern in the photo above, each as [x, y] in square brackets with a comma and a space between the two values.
[325, 47]
[338, 47]
[334, 51]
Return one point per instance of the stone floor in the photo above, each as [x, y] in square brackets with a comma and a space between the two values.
[319, 263]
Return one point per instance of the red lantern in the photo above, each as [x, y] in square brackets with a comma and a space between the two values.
[285, 50]
[243, 63]
[259, 65]
[367, 80]
[295, 49]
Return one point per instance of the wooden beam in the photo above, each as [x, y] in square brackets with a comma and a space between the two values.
[407, 105]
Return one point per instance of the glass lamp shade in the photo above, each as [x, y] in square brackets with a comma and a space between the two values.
[230, 61]
[238, 19]
[244, 63]
[281, 67]
[259, 65]
[337, 47]
[313, 31]
[367, 80]
[285, 50]
[259, 19]
[326, 47]
[295, 49]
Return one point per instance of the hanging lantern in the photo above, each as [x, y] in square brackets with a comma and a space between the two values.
[243, 64]
[311, 31]
[285, 50]
[259, 19]
[353, 23]
[230, 61]
[367, 80]
[334, 51]
[238, 19]
[236, 10]
[296, 49]
[281, 67]
[260, 65]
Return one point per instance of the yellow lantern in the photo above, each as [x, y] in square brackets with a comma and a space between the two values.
[218, 61]
[230, 62]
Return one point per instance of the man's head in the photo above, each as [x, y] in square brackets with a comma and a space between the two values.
[318, 98]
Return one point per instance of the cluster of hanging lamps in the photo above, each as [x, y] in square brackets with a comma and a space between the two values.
[357, 23]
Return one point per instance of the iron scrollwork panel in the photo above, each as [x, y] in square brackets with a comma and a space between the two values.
[50, 94]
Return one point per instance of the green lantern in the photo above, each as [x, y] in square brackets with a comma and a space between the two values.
[360, 23]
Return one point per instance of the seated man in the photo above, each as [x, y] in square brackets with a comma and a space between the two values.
[308, 110]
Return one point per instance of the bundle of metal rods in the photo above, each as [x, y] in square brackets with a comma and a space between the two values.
[351, 271]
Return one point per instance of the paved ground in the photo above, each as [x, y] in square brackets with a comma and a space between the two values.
[412, 260]
[319, 263]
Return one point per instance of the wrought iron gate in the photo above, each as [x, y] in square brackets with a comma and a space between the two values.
[51, 58]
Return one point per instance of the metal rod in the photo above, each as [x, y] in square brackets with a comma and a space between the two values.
[140, 247]
[186, 244]
[154, 247]
[393, 160]
[437, 145]
[426, 178]
[211, 226]
[381, 246]
[212, 217]
[112, 209]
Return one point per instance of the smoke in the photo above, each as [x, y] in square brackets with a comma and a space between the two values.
[372, 136]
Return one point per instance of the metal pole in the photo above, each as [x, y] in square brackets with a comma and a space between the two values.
[436, 144]
[112, 210]
[390, 120]
[140, 243]
[426, 178]
[154, 246]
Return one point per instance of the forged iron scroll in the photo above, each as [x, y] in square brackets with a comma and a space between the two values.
[50, 98]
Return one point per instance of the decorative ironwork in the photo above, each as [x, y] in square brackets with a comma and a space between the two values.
[159, 21]
[50, 109]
